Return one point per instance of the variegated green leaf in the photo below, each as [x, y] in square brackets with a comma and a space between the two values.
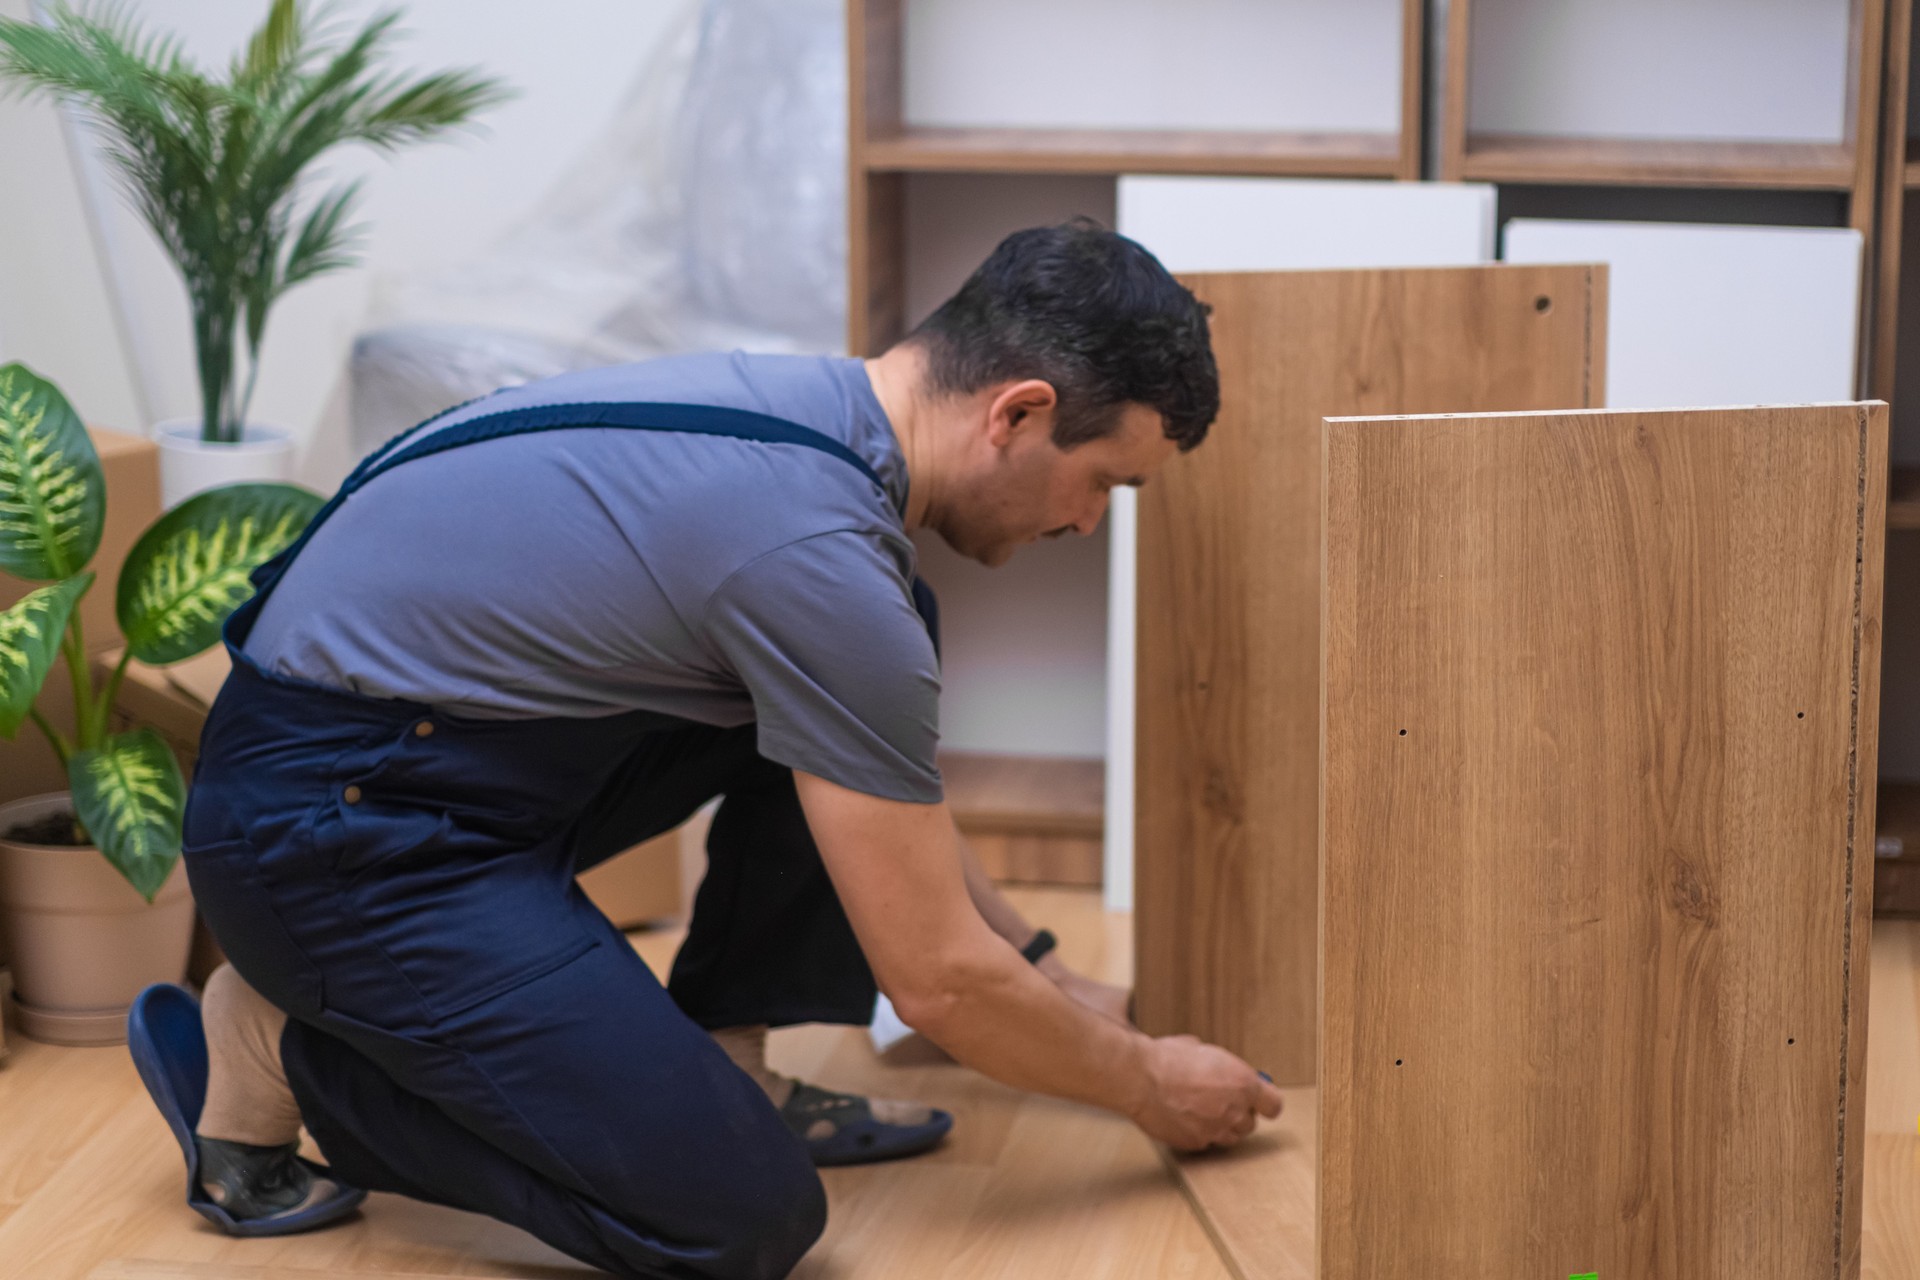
[29, 642]
[130, 797]
[189, 571]
[53, 497]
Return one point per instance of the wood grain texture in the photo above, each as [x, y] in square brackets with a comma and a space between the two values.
[1226, 808]
[1256, 1199]
[1599, 747]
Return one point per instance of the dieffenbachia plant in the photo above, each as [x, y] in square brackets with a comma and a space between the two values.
[179, 583]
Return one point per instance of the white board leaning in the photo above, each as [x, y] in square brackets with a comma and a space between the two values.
[1710, 314]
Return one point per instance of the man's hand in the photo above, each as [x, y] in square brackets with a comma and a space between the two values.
[1202, 1096]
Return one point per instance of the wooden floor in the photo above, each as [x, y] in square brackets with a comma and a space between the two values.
[91, 1182]
[1026, 1187]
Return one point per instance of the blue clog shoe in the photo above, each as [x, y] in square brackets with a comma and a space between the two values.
[263, 1191]
[840, 1128]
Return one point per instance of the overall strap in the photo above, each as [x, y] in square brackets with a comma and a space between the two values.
[687, 419]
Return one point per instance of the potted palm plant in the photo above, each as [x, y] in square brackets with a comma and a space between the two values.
[90, 929]
[216, 167]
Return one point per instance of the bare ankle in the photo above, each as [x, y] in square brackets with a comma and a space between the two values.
[747, 1047]
[248, 1097]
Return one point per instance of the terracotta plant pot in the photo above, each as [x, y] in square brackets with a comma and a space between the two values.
[84, 942]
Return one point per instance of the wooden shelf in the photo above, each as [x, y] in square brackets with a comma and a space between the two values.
[1030, 819]
[925, 149]
[1636, 162]
[1903, 498]
[1025, 795]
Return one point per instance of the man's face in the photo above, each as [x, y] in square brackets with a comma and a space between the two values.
[1026, 488]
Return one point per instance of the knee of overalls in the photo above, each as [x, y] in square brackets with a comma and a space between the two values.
[776, 1231]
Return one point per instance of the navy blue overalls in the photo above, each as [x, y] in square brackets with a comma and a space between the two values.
[464, 1026]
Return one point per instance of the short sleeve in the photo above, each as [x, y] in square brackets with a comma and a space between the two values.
[840, 667]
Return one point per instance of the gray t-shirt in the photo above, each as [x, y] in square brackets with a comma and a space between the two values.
[586, 572]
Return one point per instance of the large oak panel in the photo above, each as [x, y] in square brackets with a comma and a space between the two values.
[1227, 855]
[1601, 693]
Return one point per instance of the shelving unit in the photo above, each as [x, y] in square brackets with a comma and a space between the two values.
[1896, 281]
[1848, 164]
[885, 149]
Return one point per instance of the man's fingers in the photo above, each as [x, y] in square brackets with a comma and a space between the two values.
[1270, 1099]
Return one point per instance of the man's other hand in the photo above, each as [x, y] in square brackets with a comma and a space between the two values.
[1201, 1095]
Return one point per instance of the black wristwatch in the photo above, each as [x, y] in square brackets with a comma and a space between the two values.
[1041, 943]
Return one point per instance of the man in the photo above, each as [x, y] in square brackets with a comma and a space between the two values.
[558, 620]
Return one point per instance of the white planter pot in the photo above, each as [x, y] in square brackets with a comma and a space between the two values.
[189, 465]
[84, 941]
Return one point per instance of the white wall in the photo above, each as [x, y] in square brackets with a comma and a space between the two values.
[56, 313]
[1751, 69]
[1155, 64]
[432, 205]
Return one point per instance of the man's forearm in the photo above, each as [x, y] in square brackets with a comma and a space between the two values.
[1001, 916]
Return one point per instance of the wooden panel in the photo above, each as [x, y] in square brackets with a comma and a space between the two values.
[1229, 636]
[1896, 175]
[1599, 728]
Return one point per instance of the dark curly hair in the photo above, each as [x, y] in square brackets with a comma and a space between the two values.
[1090, 312]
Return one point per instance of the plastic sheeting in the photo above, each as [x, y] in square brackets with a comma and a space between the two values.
[710, 214]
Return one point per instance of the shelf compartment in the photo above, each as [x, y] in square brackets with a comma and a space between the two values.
[928, 149]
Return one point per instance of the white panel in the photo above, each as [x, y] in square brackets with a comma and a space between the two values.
[1155, 64]
[1257, 224]
[1230, 224]
[1748, 69]
[1710, 315]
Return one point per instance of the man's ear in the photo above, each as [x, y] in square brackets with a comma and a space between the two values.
[1019, 407]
